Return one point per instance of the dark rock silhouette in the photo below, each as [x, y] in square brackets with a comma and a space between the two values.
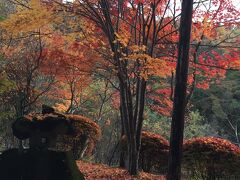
[38, 165]
[47, 109]
[39, 162]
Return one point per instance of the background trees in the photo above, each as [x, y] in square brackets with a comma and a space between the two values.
[220, 106]
[114, 61]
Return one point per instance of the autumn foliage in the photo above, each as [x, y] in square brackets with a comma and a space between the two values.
[211, 157]
[153, 153]
[54, 49]
[87, 133]
[202, 157]
[102, 172]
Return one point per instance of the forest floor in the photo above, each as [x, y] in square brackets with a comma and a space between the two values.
[103, 172]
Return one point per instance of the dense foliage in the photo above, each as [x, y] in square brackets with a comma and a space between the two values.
[211, 158]
[153, 154]
[115, 63]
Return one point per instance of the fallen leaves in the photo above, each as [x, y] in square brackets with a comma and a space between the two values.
[100, 171]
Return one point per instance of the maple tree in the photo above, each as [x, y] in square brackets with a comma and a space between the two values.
[132, 45]
[133, 58]
[60, 54]
[214, 51]
[73, 74]
[134, 52]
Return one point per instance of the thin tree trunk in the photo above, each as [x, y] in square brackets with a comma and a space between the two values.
[135, 142]
[132, 111]
[122, 154]
[177, 127]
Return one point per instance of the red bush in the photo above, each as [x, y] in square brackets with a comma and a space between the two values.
[153, 155]
[211, 157]
[86, 134]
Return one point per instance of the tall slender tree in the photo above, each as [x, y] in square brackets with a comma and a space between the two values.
[180, 93]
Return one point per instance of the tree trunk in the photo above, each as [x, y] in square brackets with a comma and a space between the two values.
[177, 127]
[132, 122]
[122, 154]
[131, 108]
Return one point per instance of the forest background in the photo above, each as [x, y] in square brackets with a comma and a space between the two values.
[72, 57]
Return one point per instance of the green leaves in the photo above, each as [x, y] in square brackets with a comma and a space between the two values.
[5, 84]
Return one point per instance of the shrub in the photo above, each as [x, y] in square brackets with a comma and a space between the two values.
[153, 155]
[86, 134]
[211, 158]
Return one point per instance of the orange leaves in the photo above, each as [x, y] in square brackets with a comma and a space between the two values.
[148, 65]
[233, 59]
[138, 49]
[211, 145]
[148, 137]
[235, 64]
[157, 67]
[62, 107]
[211, 66]
[211, 156]
[25, 20]
[123, 38]
[204, 29]
[103, 172]
[202, 85]
[161, 101]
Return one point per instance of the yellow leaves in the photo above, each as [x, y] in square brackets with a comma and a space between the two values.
[157, 67]
[137, 49]
[204, 29]
[5, 83]
[141, 57]
[62, 107]
[149, 66]
[71, 37]
[235, 64]
[123, 38]
[29, 19]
